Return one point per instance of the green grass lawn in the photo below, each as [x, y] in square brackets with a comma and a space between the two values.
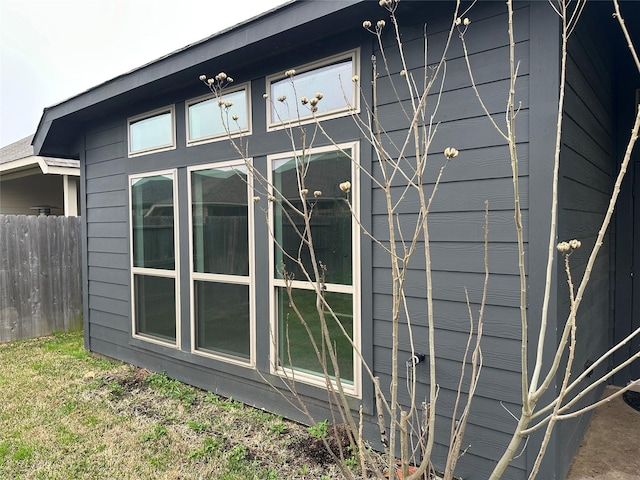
[67, 415]
[296, 349]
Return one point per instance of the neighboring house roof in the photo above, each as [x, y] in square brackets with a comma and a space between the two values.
[18, 159]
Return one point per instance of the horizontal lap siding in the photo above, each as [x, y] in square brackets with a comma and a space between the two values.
[107, 253]
[586, 181]
[454, 316]
[467, 196]
[503, 291]
[456, 226]
[108, 275]
[489, 22]
[481, 172]
[586, 176]
[451, 345]
[459, 257]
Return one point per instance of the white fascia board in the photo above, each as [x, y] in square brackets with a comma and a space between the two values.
[26, 166]
[21, 164]
[27, 172]
[71, 171]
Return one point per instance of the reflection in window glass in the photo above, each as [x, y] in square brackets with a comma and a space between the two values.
[220, 262]
[332, 236]
[330, 221]
[222, 318]
[155, 306]
[220, 221]
[208, 120]
[333, 81]
[155, 314]
[296, 348]
[153, 222]
[151, 132]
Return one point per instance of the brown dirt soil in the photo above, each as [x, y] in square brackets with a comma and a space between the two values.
[610, 449]
[315, 449]
[129, 379]
[304, 454]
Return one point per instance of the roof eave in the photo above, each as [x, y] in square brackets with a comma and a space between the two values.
[35, 163]
[51, 126]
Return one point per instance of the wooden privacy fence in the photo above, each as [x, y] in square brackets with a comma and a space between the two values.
[40, 282]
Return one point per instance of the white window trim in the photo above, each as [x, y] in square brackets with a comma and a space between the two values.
[236, 279]
[156, 272]
[225, 135]
[354, 389]
[275, 124]
[160, 148]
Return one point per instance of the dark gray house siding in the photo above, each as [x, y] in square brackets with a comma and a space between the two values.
[108, 307]
[481, 172]
[93, 127]
[107, 249]
[106, 168]
[586, 182]
[627, 217]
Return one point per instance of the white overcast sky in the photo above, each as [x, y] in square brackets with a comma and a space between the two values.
[51, 50]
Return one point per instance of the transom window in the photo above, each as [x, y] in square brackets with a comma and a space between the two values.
[154, 264]
[335, 241]
[152, 132]
[207, 120]
[332, 78]
[221, 261]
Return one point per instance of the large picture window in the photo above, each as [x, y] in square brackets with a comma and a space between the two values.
[208, 121]
[221, 262]
[152, 132]
[335, 241]
[153, 256]
[331, 77]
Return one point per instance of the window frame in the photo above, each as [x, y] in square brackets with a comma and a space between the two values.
[354, 55]
[246, 87]
[354, 389]
[224, 278]
[158, 148]
[155, 272]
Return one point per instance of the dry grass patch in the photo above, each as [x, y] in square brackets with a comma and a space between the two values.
[65, 414]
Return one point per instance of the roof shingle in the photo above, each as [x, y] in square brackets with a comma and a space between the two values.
[23, 149]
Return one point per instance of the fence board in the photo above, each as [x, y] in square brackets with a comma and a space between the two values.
[40, 284]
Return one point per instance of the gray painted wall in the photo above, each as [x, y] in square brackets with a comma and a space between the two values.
[586, 181]
[105, 202]
[627, 232]
[481, 172]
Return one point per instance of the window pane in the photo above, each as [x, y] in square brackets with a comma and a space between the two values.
[333, 81]
[330, 220]
[220, 221]
[222, 318]
[295, 347]
[207, 119]
[155, 300]
[152, 132]
[153, 222]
